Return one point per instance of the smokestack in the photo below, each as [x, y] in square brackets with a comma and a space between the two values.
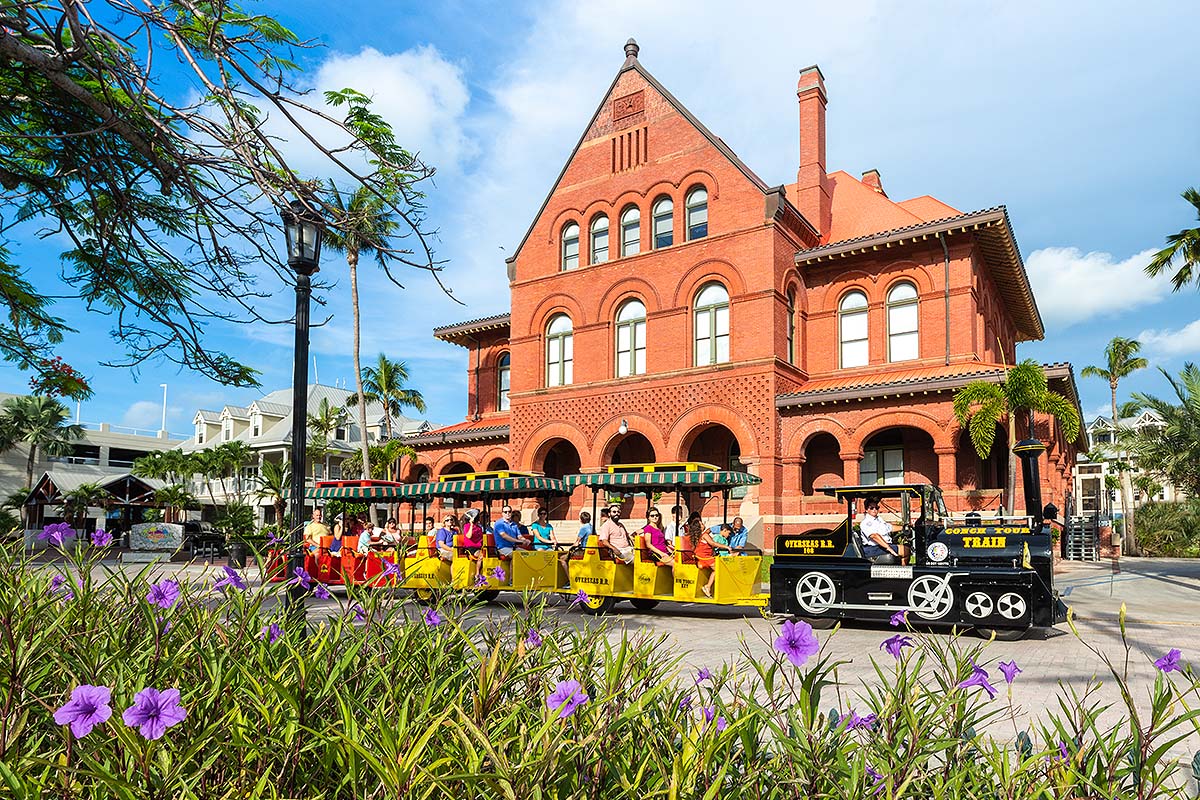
[815, 195]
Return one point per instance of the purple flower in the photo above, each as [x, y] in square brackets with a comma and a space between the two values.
[101, 538]
[876, 778]
[899, 618]
[896, 645]
[163, 594]
[320, 592]
[1010, 670]
[432, 617]
[566, 698]
[390, 568]
[153, 712]
[533, 639]
[581, 597]
[301, 578]
[162, 620]
[499, 575]
[56, 587]
[87, 708]
[1062, 748]
[1169, 662]
[685, 702]
[360, 613]
[55, 533]
[480, 581]
[797, 641]
[853, 720]
[979, 677]
[272, 539]
[709, 712]
[272, 632]
[703, 675]
[231, 578]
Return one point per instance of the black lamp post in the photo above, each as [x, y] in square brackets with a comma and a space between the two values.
[303, 229]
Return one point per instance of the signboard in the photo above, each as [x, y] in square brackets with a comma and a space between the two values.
[886, 571]
[160, 536]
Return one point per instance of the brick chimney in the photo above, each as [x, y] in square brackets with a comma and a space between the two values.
[871, 178]
[815, 199]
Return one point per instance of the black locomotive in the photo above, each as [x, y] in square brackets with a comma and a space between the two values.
[994, 576]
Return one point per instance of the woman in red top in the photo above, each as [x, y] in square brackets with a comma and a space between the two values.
[472, 539]
[705, 549]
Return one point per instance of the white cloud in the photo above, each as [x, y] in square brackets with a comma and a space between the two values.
[1072, 286]
[143, 414]
[1167, 343]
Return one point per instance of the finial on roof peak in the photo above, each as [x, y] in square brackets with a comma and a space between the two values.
[631, 48]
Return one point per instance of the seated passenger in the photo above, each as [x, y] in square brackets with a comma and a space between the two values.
[615, 537]
[876, 535]
[443, 538]
[656, 542]
[314, 530]
[739, 539]
[369, 539]
[507, 533]
[526, 536]
[720, 534]
[391, 534]
[585, 531]
[543, 531]
[472, 540]
[705, 547]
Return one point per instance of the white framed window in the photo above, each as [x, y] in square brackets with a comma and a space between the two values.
[599, 231]
[663, 215]
[560, 354]
[882, 466]
[200, 431]
[226, 429]
[503, 377]
[256, 425]
[852, 330]
[631, 231]
[697, 213]
[341, 433]
[631, 339]
[902, 320]
[712, 325]
[570, 246]
[791, 326]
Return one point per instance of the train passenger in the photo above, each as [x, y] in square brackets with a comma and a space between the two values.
[678, 526]
[705, 547]
[661, 549]
[581, 540]
[391, 533]
[472, 539]
[543, 531]
[508, 535]
[876, 534]
[615, 537]
[526, 536]
[443, 539]
[369, 538]
[314, 530]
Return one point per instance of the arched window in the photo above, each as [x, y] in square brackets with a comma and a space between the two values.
[631, 339]
[560, 351]
[712, 324]
[631, 231]
[852, 330]
[599, 240]
[503, 376]
[570, 246]
[663, 214]
[697, 213]
[791, 326]
[902, 322]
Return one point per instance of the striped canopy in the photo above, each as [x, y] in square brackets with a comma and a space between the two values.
[512, 486]
[387, 492]
[704, 480]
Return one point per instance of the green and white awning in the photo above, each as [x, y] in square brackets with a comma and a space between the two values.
[703, 480]
[513, 486]
[382, 493]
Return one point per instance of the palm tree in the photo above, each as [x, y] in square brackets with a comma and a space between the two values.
[366, 223]
[1122, 359]
[323, 424]
[77, 501]
[1171, 449]
[175, 499]
[384, 384]
[1024, 392]
[274, 482]
[42, 423]
[1186, 245]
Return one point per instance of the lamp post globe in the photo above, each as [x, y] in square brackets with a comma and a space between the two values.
[303, 230]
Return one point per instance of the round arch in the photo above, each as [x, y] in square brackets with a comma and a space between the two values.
[457, 467]
[624, 289]
[549, 306]
[690, 425]
[906, 271]
[546, 435]
[799, 440]
[848, 281]
[903, 419]
[712, 269]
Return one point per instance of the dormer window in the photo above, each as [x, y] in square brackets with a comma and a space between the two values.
[340, 433]
[226, 429]
[256, 425]
[199, 433]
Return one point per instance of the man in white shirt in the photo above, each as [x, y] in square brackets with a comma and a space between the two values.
[876, 534]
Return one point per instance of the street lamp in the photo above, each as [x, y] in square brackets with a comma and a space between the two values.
[302, 227]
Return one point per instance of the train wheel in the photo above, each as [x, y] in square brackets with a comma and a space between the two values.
[819, 623]
[487, 597]
[600, 604]
[815, 592]
[424, 596]
[1002, 634]
[643, 603]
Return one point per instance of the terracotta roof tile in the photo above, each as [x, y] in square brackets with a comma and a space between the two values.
[492, 428]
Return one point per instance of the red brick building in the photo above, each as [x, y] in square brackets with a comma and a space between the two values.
[669, 304]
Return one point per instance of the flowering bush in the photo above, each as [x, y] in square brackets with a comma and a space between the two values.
[119, 687]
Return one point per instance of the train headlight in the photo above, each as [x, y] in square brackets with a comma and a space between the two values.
[937, 551]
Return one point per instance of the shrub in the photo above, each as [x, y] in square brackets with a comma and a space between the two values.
[386, 698]
[1169, 529]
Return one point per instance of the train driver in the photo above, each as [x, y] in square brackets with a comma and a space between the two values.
[877, 534]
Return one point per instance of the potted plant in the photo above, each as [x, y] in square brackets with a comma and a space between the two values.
[237, 522]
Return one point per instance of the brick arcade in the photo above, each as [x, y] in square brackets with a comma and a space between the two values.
[668, 304]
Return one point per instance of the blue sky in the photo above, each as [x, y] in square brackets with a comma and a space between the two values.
[1082, 119]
